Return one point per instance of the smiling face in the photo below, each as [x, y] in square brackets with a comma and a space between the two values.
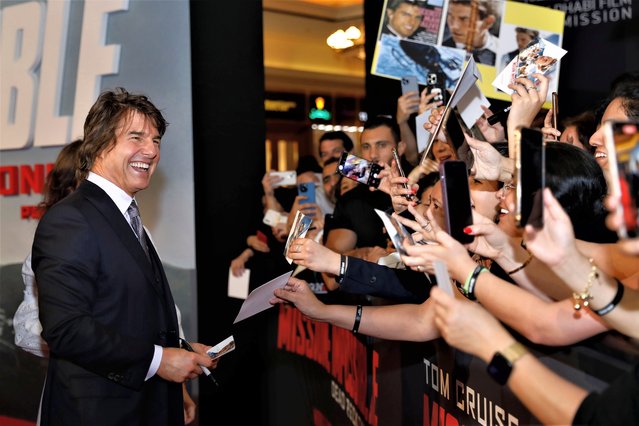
[405, 19]
[130, 162]
[614, 111]
[506, 197]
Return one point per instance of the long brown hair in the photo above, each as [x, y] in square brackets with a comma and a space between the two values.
[65, 176]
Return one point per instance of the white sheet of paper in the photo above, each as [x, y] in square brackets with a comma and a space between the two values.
[469, 106]
[258, 300]
[238, 287]
[467, 80]
[443, 279]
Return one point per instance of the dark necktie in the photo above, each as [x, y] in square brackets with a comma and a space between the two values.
[136, 224]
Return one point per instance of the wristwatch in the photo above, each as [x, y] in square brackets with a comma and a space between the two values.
[501, 365]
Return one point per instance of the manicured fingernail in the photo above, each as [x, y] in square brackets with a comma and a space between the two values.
[468, 230]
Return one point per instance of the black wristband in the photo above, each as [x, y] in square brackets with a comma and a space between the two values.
[468, 289]
[358, 318]
[610, 306]
[343, 264]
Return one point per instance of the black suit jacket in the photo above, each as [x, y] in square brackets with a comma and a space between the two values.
[400, 285]
[103, 305]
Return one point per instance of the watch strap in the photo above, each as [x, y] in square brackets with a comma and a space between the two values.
[513, 352]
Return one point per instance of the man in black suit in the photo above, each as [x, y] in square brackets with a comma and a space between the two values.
[403, 20]
[105, 304]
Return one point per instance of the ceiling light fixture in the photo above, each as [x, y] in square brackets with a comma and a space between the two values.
[342, 40]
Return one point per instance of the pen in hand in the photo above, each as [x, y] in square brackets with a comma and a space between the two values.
[495, 118]
[187, 346]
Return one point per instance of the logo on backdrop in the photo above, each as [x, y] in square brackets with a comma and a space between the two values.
[37, 58]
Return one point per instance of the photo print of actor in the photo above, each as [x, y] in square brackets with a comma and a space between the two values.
[416, 20]
[473, 25]
[523, 37]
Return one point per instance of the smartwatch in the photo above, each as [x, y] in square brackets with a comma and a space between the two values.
[501, 365]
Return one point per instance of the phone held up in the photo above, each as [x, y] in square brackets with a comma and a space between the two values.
[530, 172]
[456, 199]
[359, 169]
[409, 84]
[435, 84]
[308, 190]
[555, 109]
[622, 144]
[398, 163]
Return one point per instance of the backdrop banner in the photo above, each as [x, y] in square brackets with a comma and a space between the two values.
[57, 56]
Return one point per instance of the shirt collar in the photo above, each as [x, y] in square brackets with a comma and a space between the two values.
[121, 199]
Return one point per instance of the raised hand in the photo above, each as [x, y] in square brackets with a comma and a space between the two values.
[298, 292]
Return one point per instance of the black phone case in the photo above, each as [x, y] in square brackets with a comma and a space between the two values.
[456, 199]
[436, 81]
[530, 179]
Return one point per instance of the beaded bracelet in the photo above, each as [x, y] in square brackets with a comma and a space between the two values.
[522, 266]
[582, 300]
[358, 318]
[615, 301]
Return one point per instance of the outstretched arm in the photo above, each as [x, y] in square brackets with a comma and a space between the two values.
[408, 322]
[469, 327]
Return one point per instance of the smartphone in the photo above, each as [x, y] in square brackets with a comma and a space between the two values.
[530, 171]
[308, 190]
[289, 177]
[456, 130]
[622, 144]
[435, 84]
[409, 84]
[456, 199]
[411, 196]
[359, 169]
[555, 109]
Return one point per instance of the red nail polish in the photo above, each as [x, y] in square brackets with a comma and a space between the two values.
[468, 230]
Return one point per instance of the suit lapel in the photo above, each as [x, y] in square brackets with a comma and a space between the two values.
[107, 208]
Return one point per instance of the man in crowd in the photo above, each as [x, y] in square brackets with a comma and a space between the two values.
[105, 304]
[356, 229]
[332, 144]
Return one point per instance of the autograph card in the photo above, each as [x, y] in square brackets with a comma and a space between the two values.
[222, 348]
[298, 230]
[539, 57]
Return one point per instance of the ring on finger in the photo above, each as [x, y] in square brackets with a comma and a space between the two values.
[531, 88]
[419, 268]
